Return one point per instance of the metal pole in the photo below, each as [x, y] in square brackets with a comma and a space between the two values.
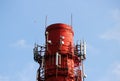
[82, 70]
[45, 22]
[71, 19]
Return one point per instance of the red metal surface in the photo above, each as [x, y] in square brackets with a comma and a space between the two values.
[59, 59]
[64, 72]
[55, 31]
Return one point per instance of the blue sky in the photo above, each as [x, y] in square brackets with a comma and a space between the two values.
[22, 24]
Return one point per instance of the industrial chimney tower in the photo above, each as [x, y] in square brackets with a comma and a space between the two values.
[60, 59]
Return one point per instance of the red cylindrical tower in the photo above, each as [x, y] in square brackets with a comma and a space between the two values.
[59, 61]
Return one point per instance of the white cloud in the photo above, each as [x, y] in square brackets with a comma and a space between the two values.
[116, 14]
[27, 73]
[20, 43]
[116, 71]
[113, 73]
[4, 78]
[114, 32]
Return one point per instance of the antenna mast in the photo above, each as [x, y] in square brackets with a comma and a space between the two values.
[46, 22]
[71, 19]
